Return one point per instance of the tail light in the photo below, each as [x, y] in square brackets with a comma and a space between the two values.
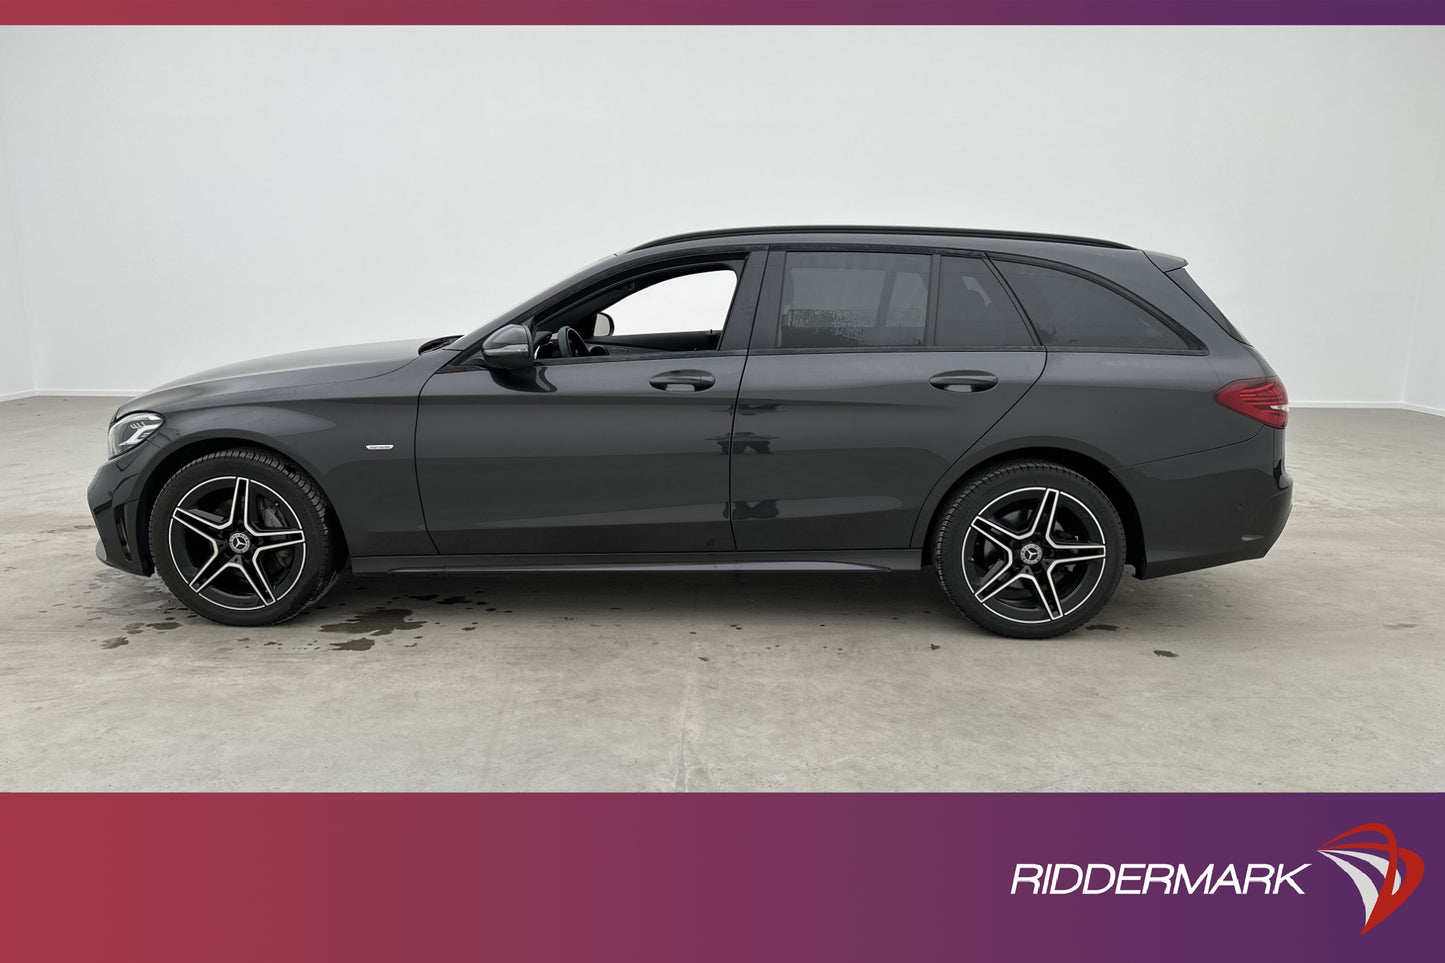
[1263, 399]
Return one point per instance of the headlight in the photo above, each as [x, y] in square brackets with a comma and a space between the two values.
[132, 429]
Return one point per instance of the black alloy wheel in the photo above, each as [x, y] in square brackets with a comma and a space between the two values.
[1030, 550]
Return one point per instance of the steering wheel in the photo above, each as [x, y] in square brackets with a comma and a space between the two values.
[570, 343]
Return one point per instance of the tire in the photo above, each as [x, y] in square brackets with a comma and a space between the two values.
[243, 538]
[1029, 550]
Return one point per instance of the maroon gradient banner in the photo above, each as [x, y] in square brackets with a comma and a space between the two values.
[724, 11]
[720, 878]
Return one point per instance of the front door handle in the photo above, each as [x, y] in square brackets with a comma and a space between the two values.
[964, 380]
[683, 381]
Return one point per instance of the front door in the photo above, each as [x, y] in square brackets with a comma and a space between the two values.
[615, 445]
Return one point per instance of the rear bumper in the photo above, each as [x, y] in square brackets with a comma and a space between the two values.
[1213, 507]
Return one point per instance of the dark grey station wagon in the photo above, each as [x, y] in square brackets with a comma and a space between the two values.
[1025, 413]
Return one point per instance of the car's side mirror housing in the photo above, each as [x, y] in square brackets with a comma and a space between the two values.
[508, 347]
[602, 325]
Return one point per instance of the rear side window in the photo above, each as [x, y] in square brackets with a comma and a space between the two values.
[1070, 311]
[974, 311]
[1181, 277]
[836, 299]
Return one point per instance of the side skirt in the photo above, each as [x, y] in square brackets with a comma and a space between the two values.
[900, 560]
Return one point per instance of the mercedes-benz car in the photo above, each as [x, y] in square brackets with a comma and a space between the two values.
[1027, 414]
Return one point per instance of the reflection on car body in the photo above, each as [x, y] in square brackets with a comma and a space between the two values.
[1028, 414]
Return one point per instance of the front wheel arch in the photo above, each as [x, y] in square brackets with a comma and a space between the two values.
[183, 454]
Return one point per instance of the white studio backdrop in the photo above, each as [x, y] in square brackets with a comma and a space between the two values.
[177, 198]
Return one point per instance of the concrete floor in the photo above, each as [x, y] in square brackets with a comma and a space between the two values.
[1318, 668]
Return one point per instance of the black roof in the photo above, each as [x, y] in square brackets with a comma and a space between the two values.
[874, 229]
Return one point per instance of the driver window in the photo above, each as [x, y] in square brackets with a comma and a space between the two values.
[692, 302]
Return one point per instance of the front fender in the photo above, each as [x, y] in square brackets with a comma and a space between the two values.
[372, 490]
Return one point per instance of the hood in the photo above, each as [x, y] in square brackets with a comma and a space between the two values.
[315, 367]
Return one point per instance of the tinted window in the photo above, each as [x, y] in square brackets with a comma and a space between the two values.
[853, 300]
[974, 311]
[1070, 311]
[1181, 277]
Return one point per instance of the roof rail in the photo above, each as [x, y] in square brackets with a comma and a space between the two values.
[875, 229]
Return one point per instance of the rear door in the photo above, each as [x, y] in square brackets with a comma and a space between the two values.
[869, 374]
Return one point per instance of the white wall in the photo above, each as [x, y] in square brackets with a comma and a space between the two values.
[187, 196]
[17, 377]
[1425, 379]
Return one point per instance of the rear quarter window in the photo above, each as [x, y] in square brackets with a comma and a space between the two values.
[1188, 285]
[1070, 311]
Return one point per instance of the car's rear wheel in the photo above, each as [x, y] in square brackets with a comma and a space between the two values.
[1030, 549]
[243, 538]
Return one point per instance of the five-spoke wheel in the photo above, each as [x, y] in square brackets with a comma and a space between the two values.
[242, 537]
[1030, 549]
[237, 543]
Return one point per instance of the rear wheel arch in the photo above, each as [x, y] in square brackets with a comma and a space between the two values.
[1091, 468]
[185, 453]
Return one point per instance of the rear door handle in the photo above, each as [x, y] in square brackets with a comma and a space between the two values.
[687, 380]
[964, 380]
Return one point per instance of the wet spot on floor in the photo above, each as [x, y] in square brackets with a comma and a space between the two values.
[703, 658]
[115, 643]
[1165, 653]
[1102, 627]
[354, 645]
[423, 598]
[469, 628]
[376, 623]
[164, 626]
[454, 600]
[1400, 625]
[933, 647]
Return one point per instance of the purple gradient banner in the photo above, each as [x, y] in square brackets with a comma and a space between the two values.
[711, 878]
[725, 11]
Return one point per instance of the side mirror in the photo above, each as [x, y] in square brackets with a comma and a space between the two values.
[508, 347]
[602, 325]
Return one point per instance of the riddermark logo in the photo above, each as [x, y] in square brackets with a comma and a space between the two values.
[1400, 872]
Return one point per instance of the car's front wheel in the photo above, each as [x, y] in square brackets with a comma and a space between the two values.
[1030, 549]
[243, 538]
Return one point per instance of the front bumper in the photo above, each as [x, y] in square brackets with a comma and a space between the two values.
[1213, 507]
[114, 498]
